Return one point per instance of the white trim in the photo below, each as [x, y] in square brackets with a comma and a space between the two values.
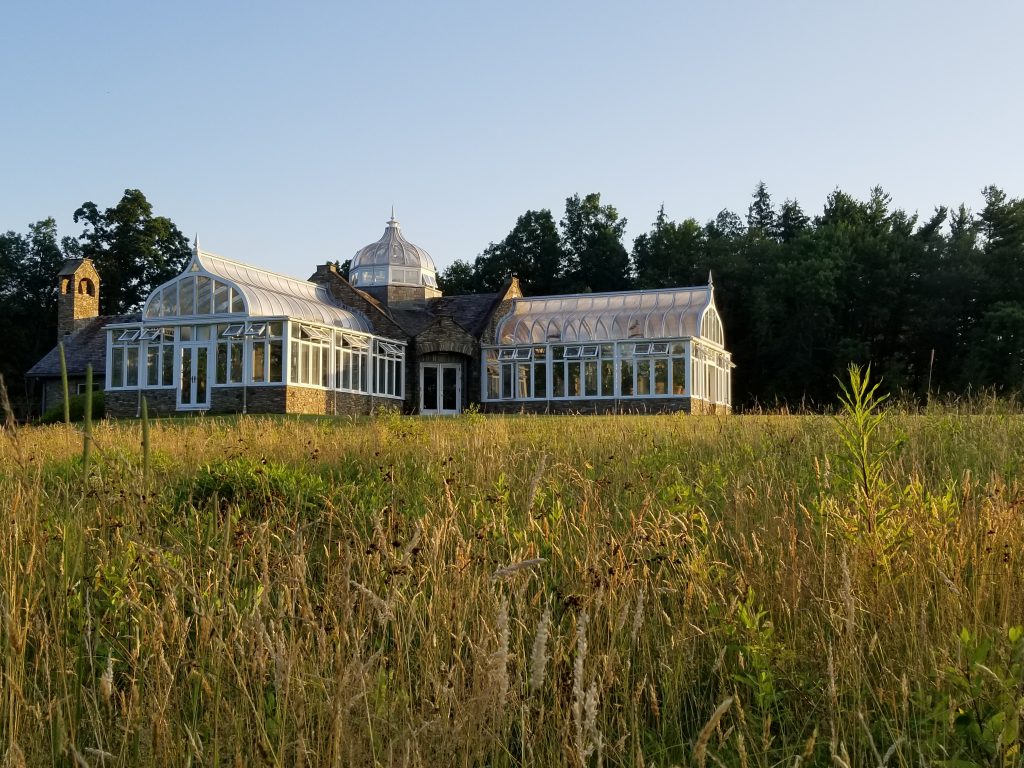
[676, 350]
[459, 395]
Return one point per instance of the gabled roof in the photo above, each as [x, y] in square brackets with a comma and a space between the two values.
[471, 311]
[647, 314]
[70, 267]
[86, 346]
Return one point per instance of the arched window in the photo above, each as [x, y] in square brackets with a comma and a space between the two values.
[67, 285]
[711, 327]
[86, 287]
[191, 295]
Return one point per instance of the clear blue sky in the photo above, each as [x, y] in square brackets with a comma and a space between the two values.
[283, 132]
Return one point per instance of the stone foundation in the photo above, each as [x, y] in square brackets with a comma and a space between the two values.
[124, 404]
[53, 390]
[611, 406]
[324, 401]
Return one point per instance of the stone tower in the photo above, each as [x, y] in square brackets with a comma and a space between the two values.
[79, 285]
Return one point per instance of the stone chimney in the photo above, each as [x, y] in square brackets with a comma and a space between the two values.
[79, 301]
[324, 274]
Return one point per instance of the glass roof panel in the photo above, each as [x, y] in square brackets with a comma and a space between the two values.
[666, 313]
[263, 294]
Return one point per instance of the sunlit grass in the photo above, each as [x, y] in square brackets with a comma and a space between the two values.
[370, 592]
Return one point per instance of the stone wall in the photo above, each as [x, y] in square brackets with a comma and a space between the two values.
[293, 399]
[402, 296]
[53, 390]
[705, 408]
[78, 300]
[342, 290]
[323, 401]
[610, 406]
[271, 399]
[124, 403]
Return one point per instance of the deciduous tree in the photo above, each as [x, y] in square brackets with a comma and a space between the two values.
[134, 251]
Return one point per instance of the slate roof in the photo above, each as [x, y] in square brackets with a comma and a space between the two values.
[87, 345]
[70, 267]
[470, 311]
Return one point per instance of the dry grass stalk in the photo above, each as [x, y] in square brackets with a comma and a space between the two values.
[700, 747]
[638, 617]
[848, 602]
[15, 758]
[524, 565]
[538, 475]
[539, 652]
[107, 681]
[579, 693]
[501, 655]
[383, 608]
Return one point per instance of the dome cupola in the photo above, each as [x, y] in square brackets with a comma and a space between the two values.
[393, 260]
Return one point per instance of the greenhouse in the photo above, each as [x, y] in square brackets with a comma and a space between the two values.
[628, 348]
[228, 336]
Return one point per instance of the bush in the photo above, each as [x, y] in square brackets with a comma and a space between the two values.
[254, 486]
[55, 415]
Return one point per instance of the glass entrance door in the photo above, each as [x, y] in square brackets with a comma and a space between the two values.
[440, 388]
[193, 384]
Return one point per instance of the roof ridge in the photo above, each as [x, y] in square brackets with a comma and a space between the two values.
[254, 268]
[630, 292]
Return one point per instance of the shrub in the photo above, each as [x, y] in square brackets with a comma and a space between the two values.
[254, 486]
[55, 415]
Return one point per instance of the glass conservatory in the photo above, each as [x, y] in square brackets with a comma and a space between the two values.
[629, 345]
[223, 325]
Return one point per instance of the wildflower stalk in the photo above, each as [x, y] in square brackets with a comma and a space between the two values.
[145, 443]
[64, 384]
[87, 432]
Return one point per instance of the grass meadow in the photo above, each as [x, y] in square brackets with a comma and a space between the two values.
[505, 591]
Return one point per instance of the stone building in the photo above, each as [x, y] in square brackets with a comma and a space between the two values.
[227, 337]
[83, 331]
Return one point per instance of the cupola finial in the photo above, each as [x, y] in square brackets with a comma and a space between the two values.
[711, 282]
[196, 245]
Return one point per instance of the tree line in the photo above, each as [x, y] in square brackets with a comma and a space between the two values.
[935, 304]
[133, 249]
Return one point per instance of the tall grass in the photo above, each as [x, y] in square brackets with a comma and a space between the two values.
[747, 591]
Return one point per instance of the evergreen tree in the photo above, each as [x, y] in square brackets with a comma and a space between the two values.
[670, 254]
[595, 258]
[761, 217]
[791, 221]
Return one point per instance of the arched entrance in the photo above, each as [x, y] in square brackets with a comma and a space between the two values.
[444, 352]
